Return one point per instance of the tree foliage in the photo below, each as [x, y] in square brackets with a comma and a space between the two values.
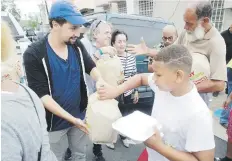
[10, 6]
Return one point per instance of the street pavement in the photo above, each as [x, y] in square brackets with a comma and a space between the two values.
[131, 154]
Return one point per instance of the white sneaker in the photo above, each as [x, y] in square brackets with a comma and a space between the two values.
[126, 143]
[110, 146]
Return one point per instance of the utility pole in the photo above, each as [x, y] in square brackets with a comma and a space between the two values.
[44, 14]
[46, 5]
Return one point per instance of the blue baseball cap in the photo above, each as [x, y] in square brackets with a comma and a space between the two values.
[68, 11]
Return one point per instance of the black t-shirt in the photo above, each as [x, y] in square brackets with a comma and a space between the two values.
[228, 40]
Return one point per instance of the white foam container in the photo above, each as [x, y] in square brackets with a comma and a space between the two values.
[136, 126]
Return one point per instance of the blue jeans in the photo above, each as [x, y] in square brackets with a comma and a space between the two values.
[225, 113]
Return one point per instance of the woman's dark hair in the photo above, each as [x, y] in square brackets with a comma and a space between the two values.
[59, 20]
[115, 34]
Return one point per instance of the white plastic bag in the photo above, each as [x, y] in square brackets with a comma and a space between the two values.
[99, 117]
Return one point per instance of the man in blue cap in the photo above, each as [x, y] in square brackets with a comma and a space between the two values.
[55, 67]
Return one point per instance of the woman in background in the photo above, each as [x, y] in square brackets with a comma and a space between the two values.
[119, 41]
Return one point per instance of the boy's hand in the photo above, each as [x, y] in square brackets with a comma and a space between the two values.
[106, 91]
[155, 141]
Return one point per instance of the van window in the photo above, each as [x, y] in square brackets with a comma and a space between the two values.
[151, 31]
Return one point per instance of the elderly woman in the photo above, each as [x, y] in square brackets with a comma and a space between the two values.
[24, 135]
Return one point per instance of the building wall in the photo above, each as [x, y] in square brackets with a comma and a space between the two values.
[43, 14]
[228, 14]
[227, 18]
[172, 11]
[100, 2]
[79, 3]
[85, 3]
[228, 4]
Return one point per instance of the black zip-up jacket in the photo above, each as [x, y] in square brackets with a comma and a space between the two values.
[38, 72]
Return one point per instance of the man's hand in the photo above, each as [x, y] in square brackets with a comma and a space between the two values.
[139, 49]
[210, 86]
[81, 125]
[106, 91]
[109, 50]
[136, 97]
[155, 141]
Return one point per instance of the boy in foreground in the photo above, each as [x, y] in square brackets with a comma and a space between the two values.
[184, 116]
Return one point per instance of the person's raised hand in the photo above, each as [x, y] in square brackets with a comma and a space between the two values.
[139, 49]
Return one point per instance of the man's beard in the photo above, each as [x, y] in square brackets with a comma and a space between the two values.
[166, 44]
[71, 40]
[197, 34]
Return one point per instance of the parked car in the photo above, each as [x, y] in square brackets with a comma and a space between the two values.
[136, 27]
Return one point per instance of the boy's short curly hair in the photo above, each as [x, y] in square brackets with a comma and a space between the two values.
[176, 57]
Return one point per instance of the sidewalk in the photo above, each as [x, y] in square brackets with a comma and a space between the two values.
[216, 103]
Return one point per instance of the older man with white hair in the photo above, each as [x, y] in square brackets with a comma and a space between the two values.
[205, 44]
[202, 38]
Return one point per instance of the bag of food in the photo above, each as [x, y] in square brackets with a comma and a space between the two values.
[100, 115]
[111, 69]
[200, 68]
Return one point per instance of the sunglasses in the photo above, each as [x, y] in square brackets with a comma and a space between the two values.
[101, 21]
[98, 24]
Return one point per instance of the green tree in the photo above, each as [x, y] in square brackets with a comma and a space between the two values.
[10, 6]
[33, 21]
